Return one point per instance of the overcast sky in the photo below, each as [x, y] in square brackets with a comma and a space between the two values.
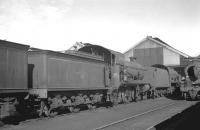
[115, 24]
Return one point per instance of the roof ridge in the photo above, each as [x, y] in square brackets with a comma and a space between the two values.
[170, 47]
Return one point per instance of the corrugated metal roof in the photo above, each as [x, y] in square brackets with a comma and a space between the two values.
[158, 39]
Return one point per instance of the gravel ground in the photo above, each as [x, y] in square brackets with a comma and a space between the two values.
[87, 120]
[148, 120]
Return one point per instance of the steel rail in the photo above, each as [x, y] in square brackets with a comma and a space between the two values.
[132, 117]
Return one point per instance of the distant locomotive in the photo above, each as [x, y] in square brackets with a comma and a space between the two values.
[45, 82]
[191, 84]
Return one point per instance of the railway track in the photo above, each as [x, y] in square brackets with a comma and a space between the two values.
[121, 117]
[123, 122]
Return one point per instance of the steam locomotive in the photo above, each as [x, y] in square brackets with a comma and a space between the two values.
[47, 82]
[190, 86]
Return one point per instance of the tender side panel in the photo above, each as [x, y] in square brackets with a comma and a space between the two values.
[3, 67]
[72, 73]
[37, 69]
[13, 68]
[17, 69]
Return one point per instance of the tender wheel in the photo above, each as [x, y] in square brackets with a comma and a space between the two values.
[193, 94]
[43, 109]
[185, 96]
[1, 123]
[89, 106]
[71, 109]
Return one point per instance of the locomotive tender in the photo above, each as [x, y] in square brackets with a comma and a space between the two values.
[58, 76]
[13, 75]
[47, 81]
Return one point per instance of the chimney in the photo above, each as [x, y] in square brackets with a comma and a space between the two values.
[149, 36]
[132, 59]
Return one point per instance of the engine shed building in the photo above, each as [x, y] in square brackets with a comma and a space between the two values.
[150, 51]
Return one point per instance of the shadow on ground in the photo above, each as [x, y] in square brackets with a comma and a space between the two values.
[189, 119]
